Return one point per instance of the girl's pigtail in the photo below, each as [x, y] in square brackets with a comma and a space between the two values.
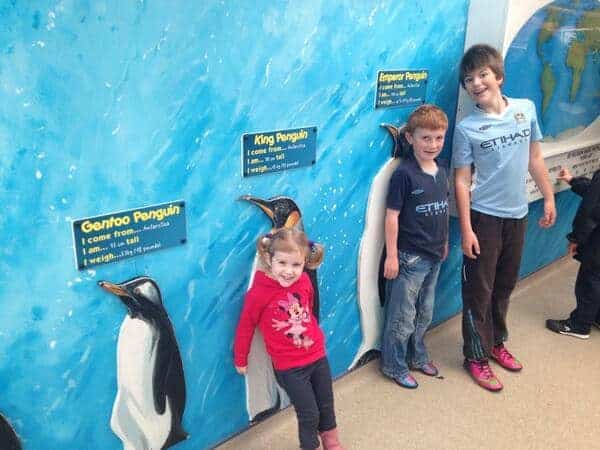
[315, 255]
[263, 245]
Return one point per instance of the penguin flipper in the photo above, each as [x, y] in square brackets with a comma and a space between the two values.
[161, 372]
[312, 274]
[168, 391]
[169, 384]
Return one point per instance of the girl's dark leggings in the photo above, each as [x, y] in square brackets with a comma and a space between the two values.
[311, 392]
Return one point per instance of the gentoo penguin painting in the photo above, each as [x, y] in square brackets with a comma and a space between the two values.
[150, 400]
[371, 253]
[263, 394]
[8, 437]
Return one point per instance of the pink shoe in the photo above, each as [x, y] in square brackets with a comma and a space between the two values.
[330, 440]
[505, 359]
[481, 372]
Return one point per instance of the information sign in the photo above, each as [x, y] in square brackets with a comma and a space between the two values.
[274, 151]
[112, 237]
[401, 88]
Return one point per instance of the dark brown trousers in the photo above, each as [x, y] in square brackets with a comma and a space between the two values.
[488, 281]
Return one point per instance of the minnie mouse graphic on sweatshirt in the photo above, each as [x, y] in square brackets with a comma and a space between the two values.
[284, 316]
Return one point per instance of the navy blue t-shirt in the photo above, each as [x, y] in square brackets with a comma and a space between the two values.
[422, 200]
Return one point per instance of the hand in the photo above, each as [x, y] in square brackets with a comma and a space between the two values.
[242, 370]
[564, 175]
[445, 254]
[391, 267]
[549, 214]
[470, 245]
[572, 249]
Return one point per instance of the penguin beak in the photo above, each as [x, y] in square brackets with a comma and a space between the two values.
[113, 289]
[262, 204]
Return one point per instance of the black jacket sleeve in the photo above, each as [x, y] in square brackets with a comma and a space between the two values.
[588, 214]
[580, 185]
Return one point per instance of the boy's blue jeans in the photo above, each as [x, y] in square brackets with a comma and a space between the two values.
[408, 313]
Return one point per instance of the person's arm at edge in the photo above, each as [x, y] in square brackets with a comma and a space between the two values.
[585, 221]
[539, 173]
[462, 191]
[580, 185]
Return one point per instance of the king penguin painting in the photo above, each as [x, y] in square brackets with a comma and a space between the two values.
[148, 409]
[371, 284]
[263, 395]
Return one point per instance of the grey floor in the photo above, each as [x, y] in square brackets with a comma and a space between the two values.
[553, 403]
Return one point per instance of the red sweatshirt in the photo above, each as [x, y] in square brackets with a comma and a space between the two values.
[285, 318]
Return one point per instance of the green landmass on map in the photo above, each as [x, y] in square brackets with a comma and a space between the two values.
[548, 85]
[547, 30]
[589, 27]
[550, 25]
[588, 41]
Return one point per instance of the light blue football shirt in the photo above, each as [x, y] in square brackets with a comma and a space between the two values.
[498, 146]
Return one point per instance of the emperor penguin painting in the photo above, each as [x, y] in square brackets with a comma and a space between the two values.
[263, 395]
[150, 400]
[371, 283]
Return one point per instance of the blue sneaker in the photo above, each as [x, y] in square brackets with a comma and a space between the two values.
[428, 369]
[407, 381]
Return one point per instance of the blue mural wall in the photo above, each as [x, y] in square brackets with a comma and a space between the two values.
[107, 106]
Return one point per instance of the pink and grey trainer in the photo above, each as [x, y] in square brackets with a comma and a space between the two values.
[481, 372]
[505, 358]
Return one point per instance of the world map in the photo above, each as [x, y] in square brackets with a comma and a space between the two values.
[555, 61]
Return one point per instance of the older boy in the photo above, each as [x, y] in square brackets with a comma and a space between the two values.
[500, 141]
[584, 245]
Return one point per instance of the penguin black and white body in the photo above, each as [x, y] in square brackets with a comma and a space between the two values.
[371, 283]
[263, 394]
[150, 401]
[8, 437]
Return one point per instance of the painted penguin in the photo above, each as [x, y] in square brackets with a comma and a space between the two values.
[8, 437]
[371, 256]
[150, 401]
[263, 395]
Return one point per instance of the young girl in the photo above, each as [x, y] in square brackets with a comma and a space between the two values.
[280, 303]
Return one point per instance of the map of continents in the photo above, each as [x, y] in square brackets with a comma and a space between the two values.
[555, 61]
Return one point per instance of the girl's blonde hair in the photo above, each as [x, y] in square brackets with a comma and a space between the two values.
[289, 240]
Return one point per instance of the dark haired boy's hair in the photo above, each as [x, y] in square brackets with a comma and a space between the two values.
[479, 56]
